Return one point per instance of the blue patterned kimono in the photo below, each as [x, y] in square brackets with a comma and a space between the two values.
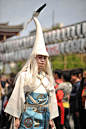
[35, 117]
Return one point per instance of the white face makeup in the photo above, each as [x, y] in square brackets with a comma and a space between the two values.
[41, 60]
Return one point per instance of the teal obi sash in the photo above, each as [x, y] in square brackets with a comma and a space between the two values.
[35, 117]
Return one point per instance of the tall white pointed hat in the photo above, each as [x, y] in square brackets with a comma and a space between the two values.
[39, 45]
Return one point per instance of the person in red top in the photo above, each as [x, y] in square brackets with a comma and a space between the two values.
[59, 121]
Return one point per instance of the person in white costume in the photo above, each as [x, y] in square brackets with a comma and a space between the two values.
[34, 97]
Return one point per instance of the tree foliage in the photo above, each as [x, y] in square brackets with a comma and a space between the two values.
[72, 61]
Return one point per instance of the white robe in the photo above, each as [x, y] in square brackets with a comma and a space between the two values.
[17, 99]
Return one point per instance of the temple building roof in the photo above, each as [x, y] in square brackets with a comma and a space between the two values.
[9, 30]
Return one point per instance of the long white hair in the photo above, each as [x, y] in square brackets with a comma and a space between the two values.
[31, 67]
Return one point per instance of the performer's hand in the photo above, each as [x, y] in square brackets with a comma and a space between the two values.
[17, 123]
[51, 124]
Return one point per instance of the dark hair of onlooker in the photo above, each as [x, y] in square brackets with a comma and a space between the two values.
[80, 70]
[58, 72]
[12, 77]
[74, 72]
[66, 75]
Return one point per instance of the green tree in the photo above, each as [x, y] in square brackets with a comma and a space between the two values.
[73, 61]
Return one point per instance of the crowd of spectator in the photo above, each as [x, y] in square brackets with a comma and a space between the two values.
[71, 98]
[70, 91]
[6, 88]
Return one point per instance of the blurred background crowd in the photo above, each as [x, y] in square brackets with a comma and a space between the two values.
[6, 88]
[70, 91]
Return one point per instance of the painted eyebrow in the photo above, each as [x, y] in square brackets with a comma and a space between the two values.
[39, 56]
[42, 56]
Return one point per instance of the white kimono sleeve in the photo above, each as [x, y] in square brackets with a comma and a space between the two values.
[16, 102]
[53, 107]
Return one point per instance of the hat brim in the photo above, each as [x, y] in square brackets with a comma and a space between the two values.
[41, 52]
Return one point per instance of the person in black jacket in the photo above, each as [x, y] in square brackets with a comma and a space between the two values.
[81, 99]
[74, 108]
